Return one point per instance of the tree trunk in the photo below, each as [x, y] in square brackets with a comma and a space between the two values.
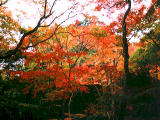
[126, 62]
[125, 44]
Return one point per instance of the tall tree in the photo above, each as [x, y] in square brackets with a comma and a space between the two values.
[125, 43]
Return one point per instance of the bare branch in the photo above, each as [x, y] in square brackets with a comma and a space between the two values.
[53, 5]
[45, 7]
[9, 53]
[54, 33]
[58, 16]
[2, 3]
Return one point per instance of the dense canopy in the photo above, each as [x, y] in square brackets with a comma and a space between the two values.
[81, 52]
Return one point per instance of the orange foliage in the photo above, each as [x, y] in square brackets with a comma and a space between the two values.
[57, 62]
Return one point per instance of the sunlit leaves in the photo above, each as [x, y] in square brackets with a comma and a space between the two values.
[8, 29]
[70, 58]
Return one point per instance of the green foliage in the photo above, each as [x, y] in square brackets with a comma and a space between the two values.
[145, 55]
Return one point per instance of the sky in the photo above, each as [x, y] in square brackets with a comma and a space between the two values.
[28, 13]
[31, 11]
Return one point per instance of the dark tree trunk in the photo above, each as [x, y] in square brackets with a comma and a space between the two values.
[122, 111]
[125, 44]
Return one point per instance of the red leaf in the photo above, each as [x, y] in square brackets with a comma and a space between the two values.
[77, 22]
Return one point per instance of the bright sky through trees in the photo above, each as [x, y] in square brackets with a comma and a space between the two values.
[28, 13]
[31, 12]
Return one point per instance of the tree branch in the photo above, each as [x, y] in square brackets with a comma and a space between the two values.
[54, 32]
[9, 53]
[2, 3]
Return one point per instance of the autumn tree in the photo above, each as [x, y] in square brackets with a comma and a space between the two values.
[46, 13]
[129, 23]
